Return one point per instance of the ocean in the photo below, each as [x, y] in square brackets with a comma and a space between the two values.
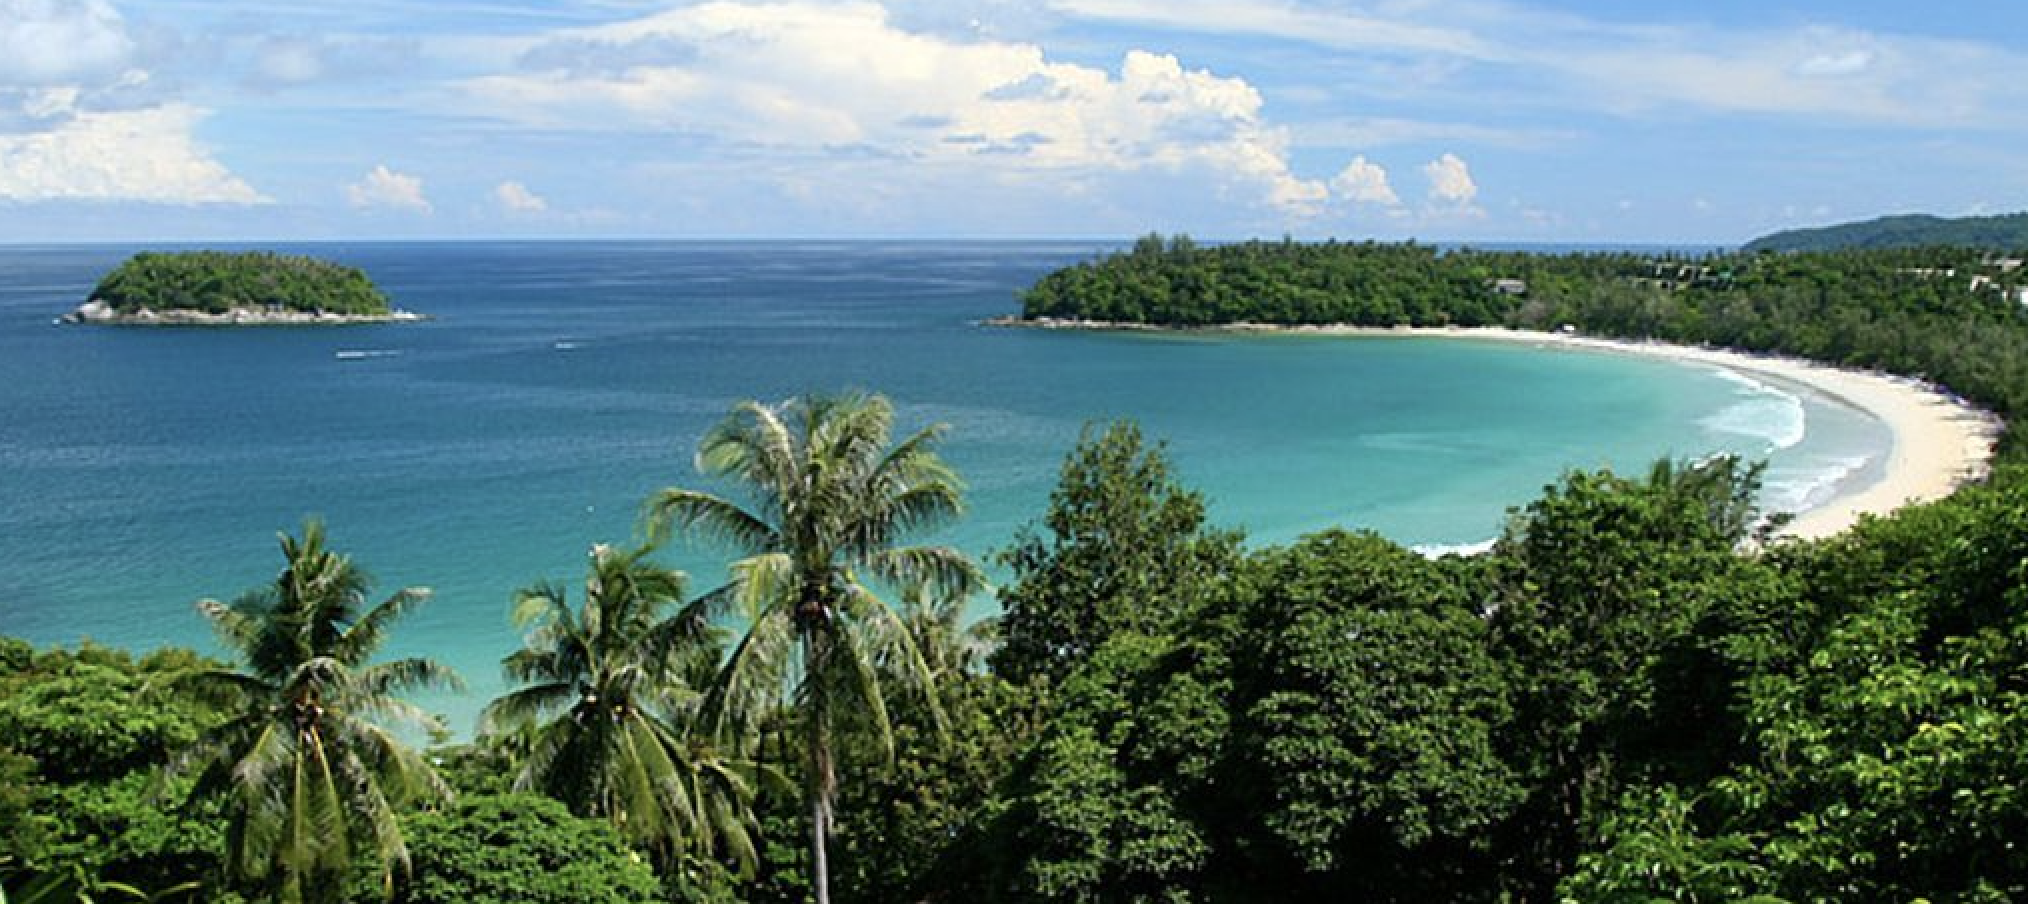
[559, 384]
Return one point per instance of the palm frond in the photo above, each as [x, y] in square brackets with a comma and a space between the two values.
[404, 675]
[750, 683]
[752, 444]
[223, 688]
[400, 713]
[541, 604]
[361, 638]
[708, 518]
[238, 623]
[850, 674]
[366, 800]
[919, 507]
[763, 582]
[691, 632]
[883, 637]
[944, 573]
[525, 706]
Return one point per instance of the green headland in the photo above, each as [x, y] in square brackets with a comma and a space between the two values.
[2004, 232]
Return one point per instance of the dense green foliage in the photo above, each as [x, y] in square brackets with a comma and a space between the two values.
[82, 734]
[1126, 549]
[1177, 283]
[1613, 705]
[219, 281]
[2005, 232]
[521, 849]
[1949, 315]
[1324, 729]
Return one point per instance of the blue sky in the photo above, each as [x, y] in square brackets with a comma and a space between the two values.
[1543, 120]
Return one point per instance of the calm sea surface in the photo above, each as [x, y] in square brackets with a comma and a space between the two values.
[143, 469]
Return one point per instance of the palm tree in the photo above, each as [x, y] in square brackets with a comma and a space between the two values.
[607, 701]
[831, 501]
[950, 647]
[308, 766]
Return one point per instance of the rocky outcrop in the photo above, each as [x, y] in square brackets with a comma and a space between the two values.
[97, 311]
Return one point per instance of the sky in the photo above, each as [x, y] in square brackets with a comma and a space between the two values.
[1579, 121]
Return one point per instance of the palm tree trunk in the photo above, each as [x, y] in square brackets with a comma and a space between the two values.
[820, 871]
[822, 779]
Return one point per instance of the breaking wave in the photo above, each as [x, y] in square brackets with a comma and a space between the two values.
[1760, 411]
[1439, 550]
[1808, 487]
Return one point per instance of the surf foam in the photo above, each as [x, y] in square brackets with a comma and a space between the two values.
[1762, 412]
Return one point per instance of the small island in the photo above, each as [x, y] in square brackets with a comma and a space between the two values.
[218, 288]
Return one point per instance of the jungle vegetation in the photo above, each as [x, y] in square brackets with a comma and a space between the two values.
[215, 282]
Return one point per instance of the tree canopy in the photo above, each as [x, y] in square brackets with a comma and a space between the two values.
[219, 281]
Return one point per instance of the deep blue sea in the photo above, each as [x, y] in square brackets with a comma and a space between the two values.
[142, 469]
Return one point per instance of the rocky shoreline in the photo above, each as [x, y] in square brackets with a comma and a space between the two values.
[98, 312]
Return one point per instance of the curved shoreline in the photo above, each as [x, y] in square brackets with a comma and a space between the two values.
[1940, 442]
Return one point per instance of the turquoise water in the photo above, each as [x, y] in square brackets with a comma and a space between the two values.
[143, 469]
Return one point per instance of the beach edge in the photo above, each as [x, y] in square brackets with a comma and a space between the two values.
[1939, 442]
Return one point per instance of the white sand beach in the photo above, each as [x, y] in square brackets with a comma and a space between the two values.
[1940, 441]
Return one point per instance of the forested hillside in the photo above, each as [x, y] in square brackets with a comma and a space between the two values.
[2006, 232]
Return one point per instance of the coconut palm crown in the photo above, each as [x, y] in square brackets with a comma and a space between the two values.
[313, 765]
[607, 705]
[829, 502]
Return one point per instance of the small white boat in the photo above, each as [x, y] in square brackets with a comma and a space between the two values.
[362, 354]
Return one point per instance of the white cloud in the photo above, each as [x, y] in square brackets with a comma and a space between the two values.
[1382, 131]
[44, 42]
[1631, 67]
[142, 155]
[1828, 65]
[1450, 181]
[383, 187]
[81, 120]
[1277, 18]
[1361, 182]
[288, 60]
[275, 61]
[516, 198]
[843, 80]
